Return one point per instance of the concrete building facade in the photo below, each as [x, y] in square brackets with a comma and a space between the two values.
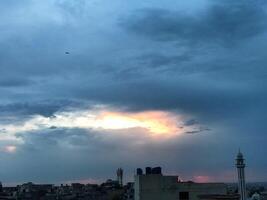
[159, 187]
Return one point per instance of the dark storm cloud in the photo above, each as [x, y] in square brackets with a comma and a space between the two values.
[191, 122]
[160, 60]
[196, 97]
[156, 58]
[45, 108]
[14, 82]
[57, 136]
[224, 22]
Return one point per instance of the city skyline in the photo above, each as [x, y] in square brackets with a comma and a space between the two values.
[119, 179]
[91, 86]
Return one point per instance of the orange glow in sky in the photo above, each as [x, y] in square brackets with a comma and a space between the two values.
[10, 149]
[157, 122]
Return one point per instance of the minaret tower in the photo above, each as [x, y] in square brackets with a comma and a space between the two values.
[120, 176]
[240, 165]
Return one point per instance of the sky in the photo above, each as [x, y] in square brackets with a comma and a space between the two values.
[88, 86]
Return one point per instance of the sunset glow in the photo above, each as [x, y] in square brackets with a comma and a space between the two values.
[10, 149]
[154, 122]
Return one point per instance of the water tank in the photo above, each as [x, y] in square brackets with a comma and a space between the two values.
[139, 171]
[156, 170]
[148, 170]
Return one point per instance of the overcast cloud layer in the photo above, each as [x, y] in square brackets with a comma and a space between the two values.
[203, 62]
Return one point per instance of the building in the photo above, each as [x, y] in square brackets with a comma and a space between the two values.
[120, 176]
[219, 197]
[129, 191]
[240, 165]
[153, 185]
[33, 191]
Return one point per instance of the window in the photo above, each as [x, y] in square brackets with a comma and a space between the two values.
[184, 195]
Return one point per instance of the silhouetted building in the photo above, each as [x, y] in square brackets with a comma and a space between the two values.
[139, 171]
[128, 191]
[154, 186]
[120, 176]
[218, 197]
